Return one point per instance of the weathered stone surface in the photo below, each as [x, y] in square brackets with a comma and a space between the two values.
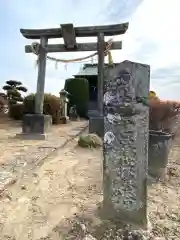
[36, 123]
[126, 142]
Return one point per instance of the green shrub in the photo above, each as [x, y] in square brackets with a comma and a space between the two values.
[79, 94]
[52, 106]
[89, 141]
[16, 111]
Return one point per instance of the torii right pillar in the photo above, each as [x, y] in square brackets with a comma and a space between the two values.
[126, 134]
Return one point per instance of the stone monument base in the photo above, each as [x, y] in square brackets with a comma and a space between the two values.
[34, 126]
[96, 125]
[133, 218]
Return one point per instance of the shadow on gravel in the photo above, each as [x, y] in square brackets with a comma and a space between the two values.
[83, 227]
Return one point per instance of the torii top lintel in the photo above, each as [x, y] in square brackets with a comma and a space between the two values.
[88, 31]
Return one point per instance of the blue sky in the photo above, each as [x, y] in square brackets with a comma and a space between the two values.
[153, 38]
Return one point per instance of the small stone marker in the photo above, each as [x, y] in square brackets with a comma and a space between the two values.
[126, 143]
[73, 113]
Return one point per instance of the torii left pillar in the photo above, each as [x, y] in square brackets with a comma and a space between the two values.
[36, 125]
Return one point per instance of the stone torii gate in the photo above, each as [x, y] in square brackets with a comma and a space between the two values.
[38, 123]
[122, 120]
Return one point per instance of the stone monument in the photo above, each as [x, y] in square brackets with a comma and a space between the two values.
[126, 143]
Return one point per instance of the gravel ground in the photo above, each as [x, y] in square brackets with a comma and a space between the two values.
[60, 199]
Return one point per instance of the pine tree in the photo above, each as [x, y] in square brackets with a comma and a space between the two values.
[13, 89]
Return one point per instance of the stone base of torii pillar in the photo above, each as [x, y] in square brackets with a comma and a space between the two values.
[35, 126]
[96, 125]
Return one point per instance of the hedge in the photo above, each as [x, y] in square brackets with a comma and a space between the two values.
[52, 106]
[16, 111]
[79, 94]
